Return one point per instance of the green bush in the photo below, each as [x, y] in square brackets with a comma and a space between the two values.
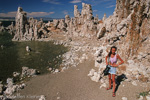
[144, 94]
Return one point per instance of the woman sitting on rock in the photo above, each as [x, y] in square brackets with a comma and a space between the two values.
[113, 65]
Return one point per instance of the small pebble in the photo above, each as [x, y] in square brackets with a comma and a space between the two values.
[58, 98]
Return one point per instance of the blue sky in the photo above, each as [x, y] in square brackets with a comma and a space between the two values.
[55, 8]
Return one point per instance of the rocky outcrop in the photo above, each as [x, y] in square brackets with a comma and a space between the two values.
[21, 21]
[62, 25]
[31, 29]
[11, 29]
[127, 22]
[8, 89]
[76, 11]
[128, 29]
[104, 18]
[84, 24]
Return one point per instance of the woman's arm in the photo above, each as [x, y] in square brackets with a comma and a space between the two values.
[106, 59]
[116, 65]
[120, 60]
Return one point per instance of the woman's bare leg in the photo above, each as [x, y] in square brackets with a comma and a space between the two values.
[109, 76]
[113, 80]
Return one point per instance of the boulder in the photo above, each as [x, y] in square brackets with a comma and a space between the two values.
[42, 97]
[101, 33]
[28, 72]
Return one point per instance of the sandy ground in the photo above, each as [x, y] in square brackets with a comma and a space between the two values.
[74, 84]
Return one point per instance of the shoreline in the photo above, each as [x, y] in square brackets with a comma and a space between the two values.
[76, 86]
[61, 69]
[80, 56]
[27, 55]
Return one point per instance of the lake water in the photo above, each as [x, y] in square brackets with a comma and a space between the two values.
[13, 56]
[7, 23]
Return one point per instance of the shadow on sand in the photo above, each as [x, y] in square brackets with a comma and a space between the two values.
[119, 79]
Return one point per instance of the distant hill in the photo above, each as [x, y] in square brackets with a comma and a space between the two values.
[7, 18]
[38, 18]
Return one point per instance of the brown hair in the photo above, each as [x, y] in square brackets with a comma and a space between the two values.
[111, 50]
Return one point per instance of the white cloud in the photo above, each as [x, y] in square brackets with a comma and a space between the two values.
[9, 14]
[38, 14]
[52, 1]
[29, 14]
[98, 2]
[111, 6]
[65, 12]
[106, 0]
[95, 10]
[76, 1]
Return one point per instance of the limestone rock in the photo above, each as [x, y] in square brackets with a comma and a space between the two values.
[103, 85]
[76, 11]
[50, 69]
[11, 29]
[86, 11]
[28, 49]
[42, 97]
[91, 72]
[96, 19]
[124, 98]
[27, 30]
[95, 77]
[15, 74]
[28, 72]
[55, 23]
[101, 33]
[56, 70]
[104, 18]
[67, 19]
[148, 97]
[21, 20]
[141, 98]
[10, 82]
[62, 25]
[11, 88]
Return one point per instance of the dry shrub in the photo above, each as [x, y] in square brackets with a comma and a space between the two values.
[143, 78]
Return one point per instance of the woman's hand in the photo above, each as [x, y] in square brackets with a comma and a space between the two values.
[114, 65]
[106, 63]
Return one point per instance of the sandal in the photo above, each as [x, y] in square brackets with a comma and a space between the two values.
[114, 94]
[108, 88]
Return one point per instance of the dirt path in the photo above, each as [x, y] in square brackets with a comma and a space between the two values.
[74, 84]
